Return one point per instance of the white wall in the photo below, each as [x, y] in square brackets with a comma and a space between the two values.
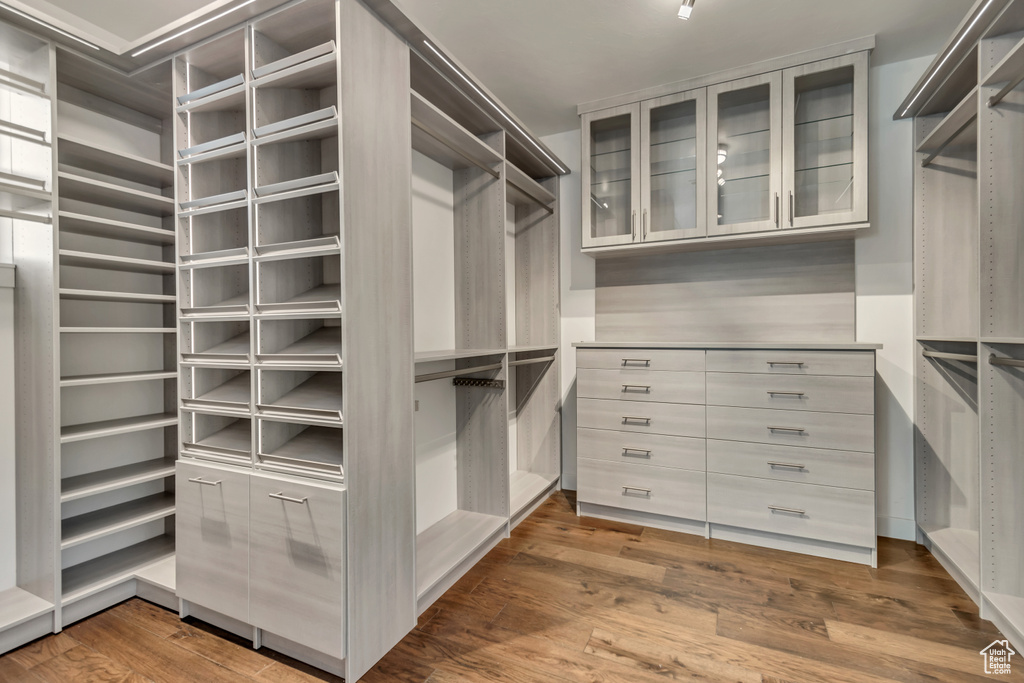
[884, 292]
[8, 530]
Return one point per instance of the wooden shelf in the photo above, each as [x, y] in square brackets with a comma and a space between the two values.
[439, 137]
[322, 300]
[232, 351]
[225, 95]
[962, 547]
[456, 354]
[443, 546]
[533, 349]
[85, 485]
[72, 186]
[117, 378]
[295, 194]
[124, 425]
[237, 305]
[118, 230]
[18, 606]
[234, 442]
[227, 147]
[328, 179]
[1010, 67]
[317, 73]
[295, 60]
[100, 523]
[81, 154]
[328, 245]
[524, 190]
[321, 348]
[1002, 340]
[319, 398]
[118, 330]
[956, 340]
[314, 449]
[117, 297]
[950, 127]
[315, 125]
[525, 487]
[83, 580]
[234, 393]
[84, 259]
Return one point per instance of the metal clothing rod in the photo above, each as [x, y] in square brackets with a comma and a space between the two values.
[1010, 362]
[931, 157]
[998, 97]
[456, 373]
[531, 361]
[966, 357]
[476, 163]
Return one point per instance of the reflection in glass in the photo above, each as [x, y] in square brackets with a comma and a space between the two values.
[744, 153]
[673, 155]
[610, 177]
[823, 143]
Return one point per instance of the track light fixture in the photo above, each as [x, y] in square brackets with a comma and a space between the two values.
[687, 9]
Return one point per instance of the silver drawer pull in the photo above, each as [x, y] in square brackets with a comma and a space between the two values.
[280, 496]
[798, 363]
[626, 419]
[635, 452]
[787, 465]
[786, 393]
[641, 387]
[200, 480]
[791, 511]
[636, 489]
[796, 430]
[631, 361]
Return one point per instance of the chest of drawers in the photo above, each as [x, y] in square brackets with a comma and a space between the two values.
[769, 445]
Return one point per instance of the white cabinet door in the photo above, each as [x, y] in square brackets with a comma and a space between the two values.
[744, 155]
[825, 126]
[611, 176]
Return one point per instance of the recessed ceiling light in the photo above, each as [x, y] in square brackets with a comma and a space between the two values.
[687, 9]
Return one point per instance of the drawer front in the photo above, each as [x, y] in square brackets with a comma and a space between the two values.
[658, 490]
[847, 469]
[677, 452]
[793, 428]
[793, 392]
[645, 418]
[212, 529]
[298, 562]
[852, 363]
[819, 512]
[632, 385]
[684, 360]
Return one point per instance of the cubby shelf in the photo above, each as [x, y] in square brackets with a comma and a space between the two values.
[124, 425]
[296, 59]
[321, 347]
[226, 95]
[117, 378]
[81, 154]
[232, 351]
[232, 443]
[112, 229]
[116, 518]
[316, 125]
[233, 395]
[73, 186]
[85, 579]
[318, 399]
[318, 72]
[105, 481]
[315, 449]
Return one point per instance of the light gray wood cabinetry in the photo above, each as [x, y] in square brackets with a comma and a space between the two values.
[779, 154]
[782, 442]
[212, 530]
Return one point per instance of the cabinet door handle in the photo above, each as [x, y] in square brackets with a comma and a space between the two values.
[642, 387]
[792, 511]
[645, 224]
[637, 489]
[798, 363]
[634, 225]
[798, 430]
[776, 210]
[280, 496]
[630, 361]
[200, 480]
[792, 208]
[628, 452]
[786, 393]
[626, 419]
[786, 465]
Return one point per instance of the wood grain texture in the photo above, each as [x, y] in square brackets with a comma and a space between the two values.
[376, 146]
[570, 598]
[764, 294]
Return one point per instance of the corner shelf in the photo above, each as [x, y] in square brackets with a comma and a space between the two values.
[124, 425]
[85, 579]
[117, 378]
[85, 485]
[318, 72]
[84, 189]
[81, 154]
[125, 264]
[111, 520]
[95, 226]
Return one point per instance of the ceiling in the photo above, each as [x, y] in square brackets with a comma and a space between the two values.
[543, 57]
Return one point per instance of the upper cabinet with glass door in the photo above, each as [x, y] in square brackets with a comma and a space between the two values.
[741, 160]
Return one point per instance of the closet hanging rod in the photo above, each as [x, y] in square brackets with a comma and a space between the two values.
[457, 373]
[998, 97]
[942, 355]
[531, 361]
[1009, 362]
[941, 148]
[476, 163]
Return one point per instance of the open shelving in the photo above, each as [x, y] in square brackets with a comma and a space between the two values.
[220, 389]
[299, 448]
[116, 518]
[216, 342]
[225, 438]
[92, 576]
[313, 397]
[302, 342]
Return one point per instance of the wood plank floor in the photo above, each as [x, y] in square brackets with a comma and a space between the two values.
[570, 599]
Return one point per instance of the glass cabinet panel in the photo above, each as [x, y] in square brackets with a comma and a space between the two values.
[612, 152]
[673, 196]
[744, 156]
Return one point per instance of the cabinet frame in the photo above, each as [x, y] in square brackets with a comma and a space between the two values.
[774, 221]
[633, 110]
[859, 210]
[701, 225]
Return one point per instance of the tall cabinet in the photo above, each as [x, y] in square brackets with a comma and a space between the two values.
[969, 256]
